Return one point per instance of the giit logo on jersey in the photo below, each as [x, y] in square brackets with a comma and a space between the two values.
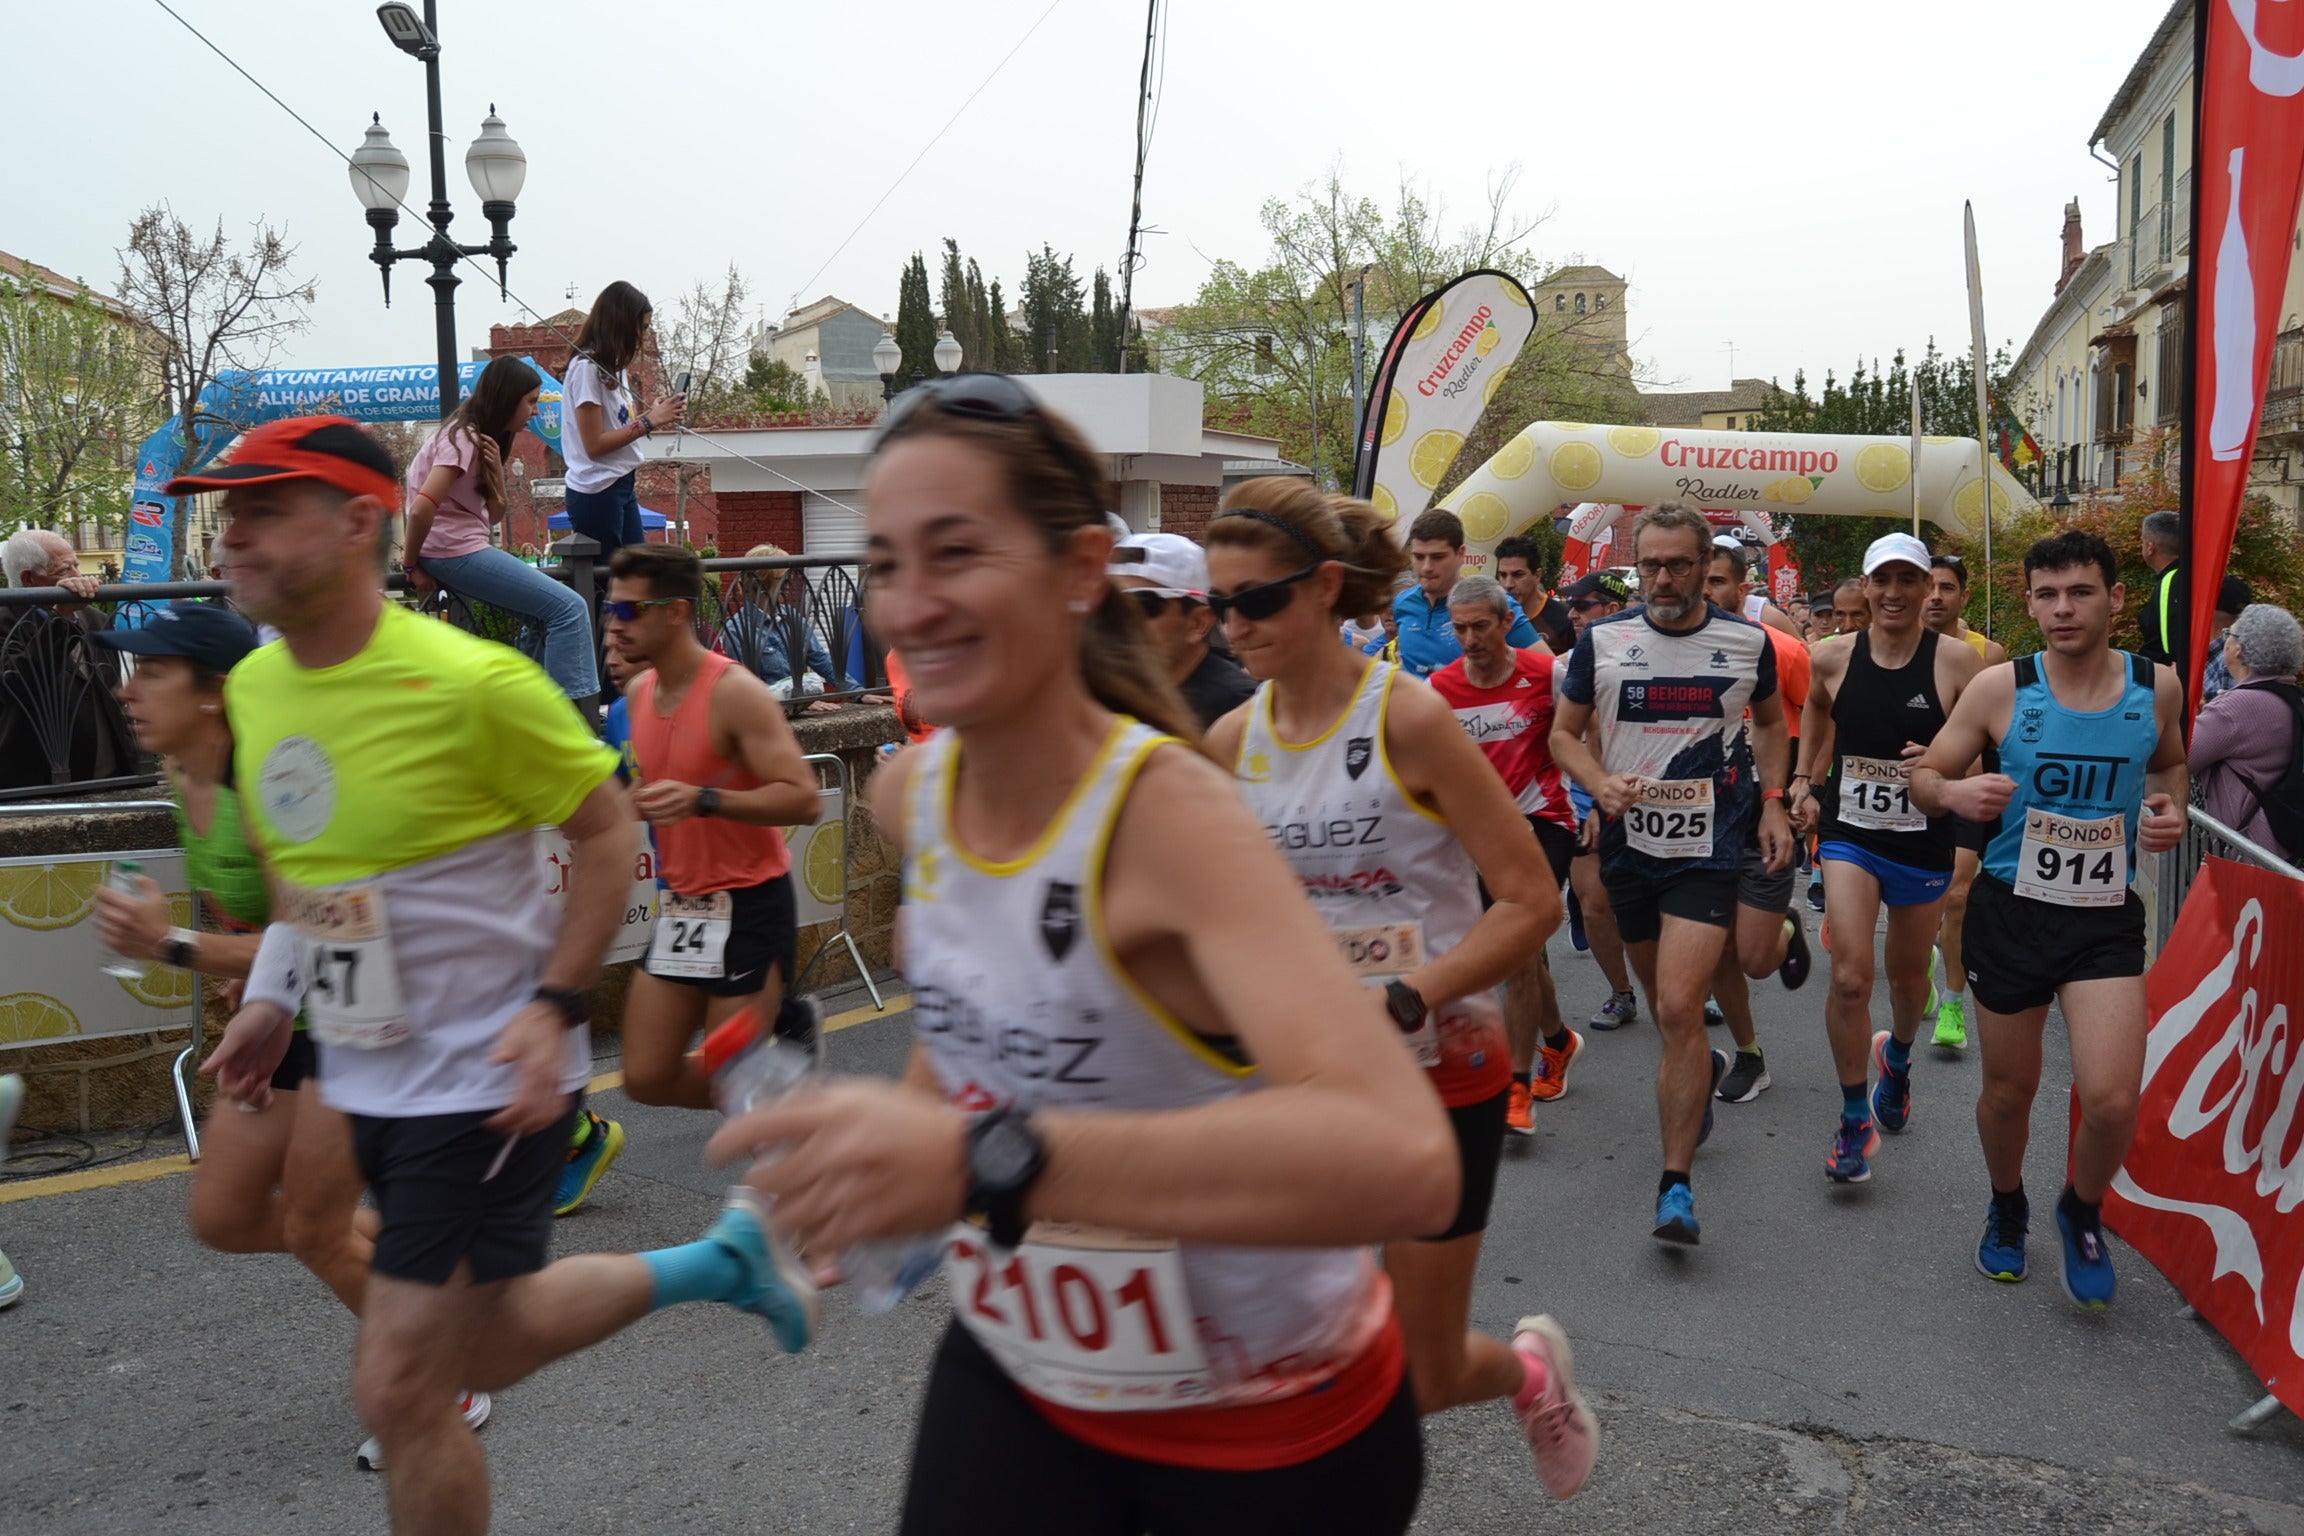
[2075, 777]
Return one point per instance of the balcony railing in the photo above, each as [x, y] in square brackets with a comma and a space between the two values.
[795, 621]
[2284, 390]
[2180, 214]
[2151, 247]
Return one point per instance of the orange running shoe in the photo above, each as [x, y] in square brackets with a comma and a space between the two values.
[1551, 1078]
[1520, 1111]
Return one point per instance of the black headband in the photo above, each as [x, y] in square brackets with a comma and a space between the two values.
[1286, 527]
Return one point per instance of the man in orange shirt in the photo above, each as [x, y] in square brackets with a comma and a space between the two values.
[1768, 934]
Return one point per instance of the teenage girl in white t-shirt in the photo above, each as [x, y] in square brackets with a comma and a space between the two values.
[600, 430]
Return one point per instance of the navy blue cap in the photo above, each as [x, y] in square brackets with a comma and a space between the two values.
[209, 635]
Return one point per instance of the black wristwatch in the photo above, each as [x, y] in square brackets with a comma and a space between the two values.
[707, 802]
[1406, 1005]
[1005, 1157]
[575, 1005]
[179, 949]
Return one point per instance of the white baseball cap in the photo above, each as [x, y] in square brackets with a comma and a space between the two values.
[1892, 547]
[1174, 565]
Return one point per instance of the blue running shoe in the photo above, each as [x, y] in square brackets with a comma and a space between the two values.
[587, 1163]
[1852, 1144]
[1676, 1215]
[1576, 938]
[1713, 1017]
[1892, 1095]
[2001, 1253]
[1720, 1064]
[778, 1286]
[2087, 1267]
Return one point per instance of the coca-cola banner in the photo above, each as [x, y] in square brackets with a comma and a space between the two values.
[1443, 365]
[2248, 155]
[2210, 1191]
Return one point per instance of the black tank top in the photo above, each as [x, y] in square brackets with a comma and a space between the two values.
[1867, 799]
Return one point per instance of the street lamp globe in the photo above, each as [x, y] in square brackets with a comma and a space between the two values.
[495, 162]
[947, 353]
[887, 356]
[379, 171]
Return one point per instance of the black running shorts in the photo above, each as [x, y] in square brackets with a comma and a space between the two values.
[1559, 845]
[1760, 890]
[1642, 902]
[299, 1066]
[1479, 1147]
[986, 1462]
[2019, 951]
[445, 1198]
[762, 937]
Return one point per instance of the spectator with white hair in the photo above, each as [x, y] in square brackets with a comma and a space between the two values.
[58, 720]
[2243, 740]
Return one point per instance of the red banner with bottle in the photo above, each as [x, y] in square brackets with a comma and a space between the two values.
[2211, 1190]
[2248, 162]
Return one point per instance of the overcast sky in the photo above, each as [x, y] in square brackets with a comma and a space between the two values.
[1784, 176]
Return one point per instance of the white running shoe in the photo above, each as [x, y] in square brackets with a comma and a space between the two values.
[475, 1405]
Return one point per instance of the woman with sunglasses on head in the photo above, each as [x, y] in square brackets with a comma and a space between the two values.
[276, 1172]
[456, 495]
[1123, 1006]
[1394, 821]
[600, 424]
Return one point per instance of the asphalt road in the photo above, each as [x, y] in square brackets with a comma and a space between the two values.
[1827, 1361]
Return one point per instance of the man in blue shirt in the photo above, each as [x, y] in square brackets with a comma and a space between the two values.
[1427, 637]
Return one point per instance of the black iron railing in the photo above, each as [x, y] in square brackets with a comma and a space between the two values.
[794, 620]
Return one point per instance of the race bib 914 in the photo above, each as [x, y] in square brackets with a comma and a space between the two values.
[2073, 861]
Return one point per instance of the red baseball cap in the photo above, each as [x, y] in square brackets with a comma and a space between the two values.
[334, 450]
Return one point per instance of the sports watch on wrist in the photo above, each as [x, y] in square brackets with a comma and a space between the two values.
[707, 802]
[179, 949]
[574, 1004]
[1406, 1005]
[1005, 1157]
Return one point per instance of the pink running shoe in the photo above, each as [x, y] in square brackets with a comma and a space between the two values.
[1559, 1425]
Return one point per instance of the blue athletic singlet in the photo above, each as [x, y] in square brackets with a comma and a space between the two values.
[2075, 771]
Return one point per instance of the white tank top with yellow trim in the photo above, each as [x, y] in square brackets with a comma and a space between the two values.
[1018, 999]
[1387, 873]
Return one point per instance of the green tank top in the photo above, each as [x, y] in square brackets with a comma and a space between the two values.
[223, 868]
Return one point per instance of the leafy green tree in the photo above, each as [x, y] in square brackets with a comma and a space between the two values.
[773, 386]
[962, 305]
[1103, 327]
[1007, 347]
[79, 389]
[1056, 329]
[1873, 402]
[915, 324]
[1271, 343]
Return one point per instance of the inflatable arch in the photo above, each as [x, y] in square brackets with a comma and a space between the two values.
[1759, 479]
[250, 398]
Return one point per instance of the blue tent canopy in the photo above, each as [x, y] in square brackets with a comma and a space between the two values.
[649, 520]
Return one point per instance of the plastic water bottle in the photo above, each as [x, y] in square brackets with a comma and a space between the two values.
[750, 1066]
[126, 878]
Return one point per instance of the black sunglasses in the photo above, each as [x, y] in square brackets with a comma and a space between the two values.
[986, 397]
[1261, 601]
[1153, 604]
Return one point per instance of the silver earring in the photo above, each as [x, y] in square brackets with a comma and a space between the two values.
[1079, 605]
[212, 708]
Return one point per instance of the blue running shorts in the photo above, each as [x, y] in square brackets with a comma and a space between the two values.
[1900, 884]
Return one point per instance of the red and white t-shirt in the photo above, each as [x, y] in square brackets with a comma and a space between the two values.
[1513, 725]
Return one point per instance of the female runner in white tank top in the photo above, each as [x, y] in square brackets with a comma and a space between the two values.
[1392, 817]
[1139, 1059]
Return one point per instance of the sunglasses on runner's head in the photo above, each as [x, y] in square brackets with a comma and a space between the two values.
[986, 397]
[1261, 601]
[629, 612]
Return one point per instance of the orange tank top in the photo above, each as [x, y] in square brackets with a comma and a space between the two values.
[702, 854]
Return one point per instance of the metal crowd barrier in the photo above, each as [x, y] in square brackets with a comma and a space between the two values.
[2169, 877]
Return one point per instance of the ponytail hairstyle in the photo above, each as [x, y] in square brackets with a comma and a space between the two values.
[1055, 480]
[610, 335]
[1341, 528]
[487, 412]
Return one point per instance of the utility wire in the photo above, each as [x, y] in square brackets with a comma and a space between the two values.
[541, 318]
[931, 144]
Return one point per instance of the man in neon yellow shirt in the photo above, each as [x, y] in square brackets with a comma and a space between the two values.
[393, 770]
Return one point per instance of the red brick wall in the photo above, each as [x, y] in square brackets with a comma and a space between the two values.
[747, 518]
[1186, 509]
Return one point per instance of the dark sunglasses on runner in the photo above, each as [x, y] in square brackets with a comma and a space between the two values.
[1153, 604]
[1261, 601]
[987, 397]
[629, 612]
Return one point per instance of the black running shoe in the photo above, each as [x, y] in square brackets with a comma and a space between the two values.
[1745, 1080]
[1798, 959]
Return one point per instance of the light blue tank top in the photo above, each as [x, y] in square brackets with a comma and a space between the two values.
[2084, 764]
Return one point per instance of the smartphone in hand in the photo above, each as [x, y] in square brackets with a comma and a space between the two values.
[680, 384]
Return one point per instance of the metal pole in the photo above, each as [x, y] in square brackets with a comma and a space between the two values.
[441, 250]
[1359, 358]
